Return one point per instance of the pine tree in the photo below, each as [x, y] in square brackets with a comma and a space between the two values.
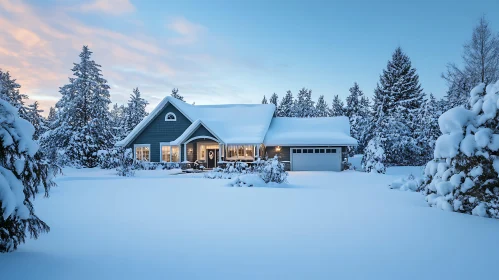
[10, 92]
[274, 99]
[321, 108]
[264, 100]
[398, 97]
[304, 105]
[338, 107]
[82, 126]
[135, 111]
[176, 95]
[117, 118]
[357, 111]
[22, 172]
[285, 108]
[427, 130]
[463, 175]
[36, 119]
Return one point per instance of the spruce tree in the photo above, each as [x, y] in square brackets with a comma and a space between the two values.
[175, 94]
[264, 100]
[135, 111]
[321, 108]
[10, 92]
[398, 97]
[285, 108]
[304, 105]
[337, 107]
[427, 130]
[357, 111]
[36, 119]
[274, 99]
[22, 173]
[83, 126]
[117, 117]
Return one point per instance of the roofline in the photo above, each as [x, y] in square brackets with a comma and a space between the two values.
[200, 122]
[310, 145]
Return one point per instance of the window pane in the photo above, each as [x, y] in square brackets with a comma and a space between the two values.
[142, 153]
[333, 151]
[310, 151]
[328, 151]
[175, 154]
[321, 151]
[316, 151]
[249, 151]
[240, 151]
[165, 153]
[298, 151]
[305, 151]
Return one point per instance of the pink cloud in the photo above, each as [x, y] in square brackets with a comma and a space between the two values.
[189, 32]
[112, 7]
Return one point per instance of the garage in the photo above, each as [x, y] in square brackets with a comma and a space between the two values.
[316, 159]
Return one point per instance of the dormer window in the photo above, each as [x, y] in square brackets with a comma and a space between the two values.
[170, 117]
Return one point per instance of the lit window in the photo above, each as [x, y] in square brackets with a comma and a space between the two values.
[170, 153]
[142, 153]
[170, 117]
[246, 152]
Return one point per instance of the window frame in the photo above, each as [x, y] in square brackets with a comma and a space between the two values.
[170, 114]
[135, 146]
[167, 144]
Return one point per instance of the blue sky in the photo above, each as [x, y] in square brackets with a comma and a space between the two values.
[233, 51]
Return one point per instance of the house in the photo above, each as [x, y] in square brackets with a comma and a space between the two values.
[179, 132]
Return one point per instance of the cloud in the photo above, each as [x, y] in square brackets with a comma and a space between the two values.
[112, 7]
[188, 32]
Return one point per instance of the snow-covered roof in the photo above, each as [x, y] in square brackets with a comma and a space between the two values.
[184, 136]
[309, 131]
[232, 123]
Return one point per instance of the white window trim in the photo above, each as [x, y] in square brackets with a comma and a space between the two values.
[135, 146]
[170, 114]
[161, 144]
[238, 157]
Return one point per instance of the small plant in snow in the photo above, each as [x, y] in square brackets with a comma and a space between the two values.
[410, 183]
[374, 157]
[273, 171]
[125, 163]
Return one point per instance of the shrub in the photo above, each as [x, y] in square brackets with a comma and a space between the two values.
[273, 171]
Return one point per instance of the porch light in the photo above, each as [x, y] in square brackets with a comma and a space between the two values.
[190, 150]
[278, 148]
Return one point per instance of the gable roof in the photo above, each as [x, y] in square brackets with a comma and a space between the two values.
[309, 131]
[231, 123]
[189, 131]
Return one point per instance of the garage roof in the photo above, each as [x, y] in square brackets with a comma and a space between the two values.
[334, 131]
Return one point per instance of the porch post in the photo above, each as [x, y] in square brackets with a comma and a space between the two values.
[257, 151]
[220, 151]
[185, 152]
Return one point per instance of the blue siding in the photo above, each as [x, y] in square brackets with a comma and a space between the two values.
[201, 131]
[160, 130]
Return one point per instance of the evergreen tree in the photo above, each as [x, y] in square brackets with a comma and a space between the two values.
[338, 107]
[10, 92]
[304, 105]
[357, 111]
[117, 118]
[36, 119]
[52, 115]
[83, 126]
[264, 100]
[274, 99]
[427, 130]
[135, 112]
[398, 98]
[321, 108]
[285, 108]
[22, 172]
[176, 95]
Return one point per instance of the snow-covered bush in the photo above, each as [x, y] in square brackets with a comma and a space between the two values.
[109, 159]
[22, 172]
[231, 170]
[410, 183]
[273, 171]
[247, 180]
[374, 157]
[125, 163]
[463, 176]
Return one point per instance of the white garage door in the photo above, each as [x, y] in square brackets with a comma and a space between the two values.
[316, 159]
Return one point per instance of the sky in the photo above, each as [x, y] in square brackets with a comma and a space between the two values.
[222, 51]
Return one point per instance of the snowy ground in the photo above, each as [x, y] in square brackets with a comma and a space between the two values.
[325, 225]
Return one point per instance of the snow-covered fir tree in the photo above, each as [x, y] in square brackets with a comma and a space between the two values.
[321, 108]
[357, 111]
[264, 100]
[304, 105]
[274, 99]
[10, 92]
[135, 111]
[22, 173]
[463, 176]
[36, 119]
[398, 98]
[83, 124]
[285, 108]
[337, 107]
[117, 119]
[427, 130]
[175, 94]
[374, 156]
[480, 64]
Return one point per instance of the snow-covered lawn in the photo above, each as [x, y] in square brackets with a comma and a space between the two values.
[325, 225]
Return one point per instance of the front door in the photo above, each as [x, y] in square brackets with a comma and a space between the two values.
[212, 158]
